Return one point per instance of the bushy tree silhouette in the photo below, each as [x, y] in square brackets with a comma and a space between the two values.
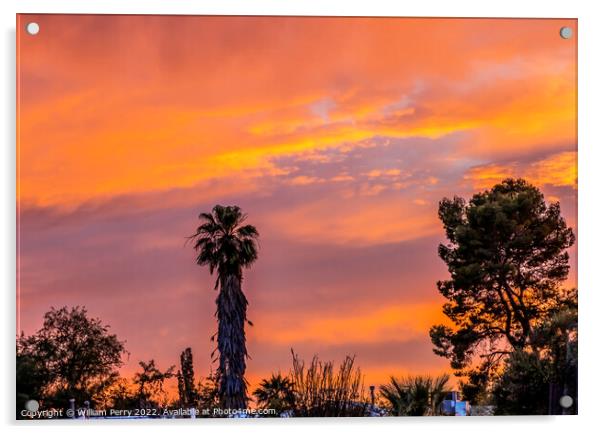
[71, 356]
[506, 255]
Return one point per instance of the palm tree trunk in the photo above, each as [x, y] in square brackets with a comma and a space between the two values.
[231, 343]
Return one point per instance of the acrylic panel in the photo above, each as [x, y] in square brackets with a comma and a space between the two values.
[240, 216]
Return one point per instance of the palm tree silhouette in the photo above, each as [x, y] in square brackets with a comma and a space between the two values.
[275, 393]
[227, 246]
[415, 396]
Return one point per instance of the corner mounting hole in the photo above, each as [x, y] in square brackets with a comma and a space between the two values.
[566, 401]
[32, 28]
[566, 32]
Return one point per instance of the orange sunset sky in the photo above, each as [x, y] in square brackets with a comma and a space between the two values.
[337, 136]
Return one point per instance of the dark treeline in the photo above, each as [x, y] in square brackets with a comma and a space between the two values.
[512, 342]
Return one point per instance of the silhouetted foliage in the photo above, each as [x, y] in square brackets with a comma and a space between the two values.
[209, 392]
[275, 393]
[120, 395]
[506, 257]
[71, 356]
[523, 386]
[321, 391]
[415, 396]
[533, 380]
[475, 387]
[227, 246]
[31, 375]
[187, 390]
[149, 385]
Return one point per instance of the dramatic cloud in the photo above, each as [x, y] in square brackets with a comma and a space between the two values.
[337, 136]
[556, 170]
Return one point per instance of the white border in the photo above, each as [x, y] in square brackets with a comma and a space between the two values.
[509, 8]
[590, 240]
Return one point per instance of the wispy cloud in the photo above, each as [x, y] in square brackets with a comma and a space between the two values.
[557, 170]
